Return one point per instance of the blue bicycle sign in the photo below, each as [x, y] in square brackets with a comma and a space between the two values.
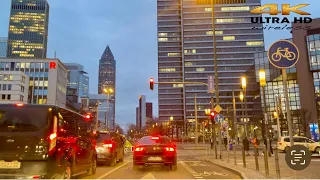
[219, 118]
[283, 54]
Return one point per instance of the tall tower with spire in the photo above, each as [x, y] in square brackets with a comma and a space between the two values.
[107, 80]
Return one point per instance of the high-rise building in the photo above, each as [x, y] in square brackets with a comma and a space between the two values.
[142, 119]
[185, 54]
[28, 29]
[3, 46]
[107, 78]
[137, 117]
[78, 79]
[149, 110]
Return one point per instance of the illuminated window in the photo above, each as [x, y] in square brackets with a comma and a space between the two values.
[187, 64]
[230, 20]
[162, 34]
[45, 84]
[228, 38]
[200, 69]
[162, 39]
[254, 43]
[219, 32]
[178, 85]
[211, 32]
[208, 9]
[167, 70]
[190, 51]
[239, 8]
[173, 54]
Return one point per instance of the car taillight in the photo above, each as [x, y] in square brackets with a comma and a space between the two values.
[19, 105]
[52, 136]
[169, 149]
[155, 138]
[108, 145]
[139, 149]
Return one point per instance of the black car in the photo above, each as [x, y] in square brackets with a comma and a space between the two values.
[43, 141]
[155, 150]
[110, 148]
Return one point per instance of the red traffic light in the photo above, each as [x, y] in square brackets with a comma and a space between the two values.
[212, 114]
[151, 84]
[88, 116]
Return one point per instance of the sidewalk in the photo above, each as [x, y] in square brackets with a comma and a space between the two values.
[250, 172]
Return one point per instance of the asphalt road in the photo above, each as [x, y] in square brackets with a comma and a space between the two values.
[188, 168]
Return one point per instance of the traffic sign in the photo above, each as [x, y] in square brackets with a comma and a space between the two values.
[219, 118]
[210, 84]
[217, 109]
[225, 124]
[283, 54]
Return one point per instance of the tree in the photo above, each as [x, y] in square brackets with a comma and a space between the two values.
[304, 119]
[118, 128]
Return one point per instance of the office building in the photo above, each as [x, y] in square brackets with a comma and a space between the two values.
[274, 91]
[308, 67]
[78, 79]
[149, 110]
[40, 73]
[100, 102]
[28, 29]
[185, 54]
[141, 112]
[3, 47]
[14, 87]
[107, 77]
[137, 117]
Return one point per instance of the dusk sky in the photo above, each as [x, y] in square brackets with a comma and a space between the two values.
[80, 30]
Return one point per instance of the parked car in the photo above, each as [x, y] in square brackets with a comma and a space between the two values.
[284, 143]
[110, 148]
[43, 141]
[155, 150]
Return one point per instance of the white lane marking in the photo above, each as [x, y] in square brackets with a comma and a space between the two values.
[198, 177]
[148, 176]
[113, 170]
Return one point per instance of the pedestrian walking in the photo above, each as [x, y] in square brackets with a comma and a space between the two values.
[255, 141]
[246, 145]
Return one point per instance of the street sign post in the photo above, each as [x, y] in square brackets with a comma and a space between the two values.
[210, 84]
[284, 54]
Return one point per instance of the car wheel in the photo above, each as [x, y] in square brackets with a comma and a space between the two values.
[174, 167]
[286, 149]
[93, 169]
[317, 150]
[122, 157]
[67, 174]
[114, 161]
[135, 167]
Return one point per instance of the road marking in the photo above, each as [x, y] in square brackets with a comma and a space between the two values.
[148, 176]
[190, 170]
[113, 170]
[315, 160]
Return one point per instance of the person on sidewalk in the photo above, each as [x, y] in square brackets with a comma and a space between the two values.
[255, 141]
[246, 145]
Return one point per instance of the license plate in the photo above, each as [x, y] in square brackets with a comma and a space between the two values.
[155, 159]
[100, 156]
[10, 165]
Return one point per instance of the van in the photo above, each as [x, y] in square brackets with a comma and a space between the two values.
[45, 141]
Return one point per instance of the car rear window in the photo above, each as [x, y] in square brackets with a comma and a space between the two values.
[27, 118]
[103, 137]
[148, 140]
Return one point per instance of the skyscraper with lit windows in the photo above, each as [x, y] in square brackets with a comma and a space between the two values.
[185, 54]
[28, 29]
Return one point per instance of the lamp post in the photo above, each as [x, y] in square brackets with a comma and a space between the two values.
[244, 87]
[108, 91]
[241, 97]
[171, 120]
[277, 116]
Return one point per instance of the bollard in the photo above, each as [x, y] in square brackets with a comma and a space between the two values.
[277, 163]
[256, 154]
[266, 165]
[228, 152]
[235, 154]
[243, 157]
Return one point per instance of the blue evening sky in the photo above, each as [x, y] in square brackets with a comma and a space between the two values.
[79, 30]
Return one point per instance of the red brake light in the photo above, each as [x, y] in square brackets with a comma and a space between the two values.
[108, 145]
[36, 177]
[155, 138]
[53, 136]
[139, 149]
[19, 105]
[169, 149]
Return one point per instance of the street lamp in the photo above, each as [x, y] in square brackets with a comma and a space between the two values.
[244, 87]
[171, 119]
[207, 111]
[108, 91]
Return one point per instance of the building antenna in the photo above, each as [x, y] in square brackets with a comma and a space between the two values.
[55, 54]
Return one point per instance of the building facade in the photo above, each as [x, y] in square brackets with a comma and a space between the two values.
[107, 78]
[100, 102]
[78, 79]
[3, 47]
[137, 118]
[185, 54]
[28, 29]
[149, 112]
[40, 73]
[14, 87]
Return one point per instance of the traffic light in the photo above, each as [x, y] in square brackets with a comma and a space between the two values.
[88, 117]
[212, 114]
[151, 84]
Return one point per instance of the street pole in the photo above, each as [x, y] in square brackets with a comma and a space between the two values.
[196, 118]
[214, 131]
[107, 122]
[234, 115]
[97, 116]
[246, 111]
[266, 121]
[284, 77]
[278, 121]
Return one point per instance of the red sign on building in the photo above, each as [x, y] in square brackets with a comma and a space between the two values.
[53, 65]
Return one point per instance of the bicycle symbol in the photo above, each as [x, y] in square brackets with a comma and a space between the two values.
[199, 165]
[206, 173]
[283, 53]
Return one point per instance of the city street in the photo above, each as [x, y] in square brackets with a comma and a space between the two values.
[188, 168]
